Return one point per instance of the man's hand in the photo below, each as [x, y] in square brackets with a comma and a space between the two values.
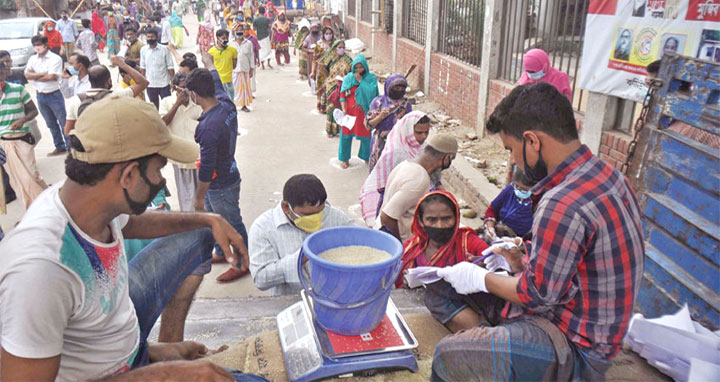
[177, 370]
[17, 124]
[207, 60]
[117, 61]
[231, 242]
[252, 72]
[182, 98]
[199, 205]
[466, 278]
[177, 351]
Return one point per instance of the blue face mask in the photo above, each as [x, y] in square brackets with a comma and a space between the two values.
[72, 71]
[522, 194]
[537, 75]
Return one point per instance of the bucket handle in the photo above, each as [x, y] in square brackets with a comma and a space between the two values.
[334, 305]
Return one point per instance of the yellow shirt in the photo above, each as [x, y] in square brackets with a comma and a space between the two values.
[223, 60]
[132, 82]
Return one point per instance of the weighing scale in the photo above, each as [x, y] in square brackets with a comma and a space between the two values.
[313, 353]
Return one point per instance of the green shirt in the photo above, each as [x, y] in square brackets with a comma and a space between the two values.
[12, 108]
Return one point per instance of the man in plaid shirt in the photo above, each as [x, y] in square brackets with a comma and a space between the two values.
[564, 311]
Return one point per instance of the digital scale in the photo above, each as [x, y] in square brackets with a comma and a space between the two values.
[313, 353]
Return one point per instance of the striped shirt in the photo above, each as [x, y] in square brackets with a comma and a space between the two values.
[274, 246]
[586, 263]
[12, 108]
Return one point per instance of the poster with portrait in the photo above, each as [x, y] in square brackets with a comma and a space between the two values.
[623, 36]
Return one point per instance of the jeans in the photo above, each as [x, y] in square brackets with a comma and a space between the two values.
[226, 203]
[156, 94]
[156, 273]
[52, 108]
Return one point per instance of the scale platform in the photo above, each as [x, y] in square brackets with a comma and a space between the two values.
[312, 353]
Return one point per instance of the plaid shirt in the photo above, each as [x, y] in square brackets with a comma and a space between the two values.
[586, 263]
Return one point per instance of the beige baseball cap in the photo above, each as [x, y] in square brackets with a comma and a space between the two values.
[444, 143]
[118, 129]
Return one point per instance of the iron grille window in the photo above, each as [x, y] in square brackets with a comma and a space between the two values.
[366, 10]
[389, 15]
[415, 20]
[555, 26]
[461, 29]
[351, 7]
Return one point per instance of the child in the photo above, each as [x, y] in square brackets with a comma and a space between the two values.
[511, 213]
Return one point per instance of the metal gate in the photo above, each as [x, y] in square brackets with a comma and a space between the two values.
[679, 190]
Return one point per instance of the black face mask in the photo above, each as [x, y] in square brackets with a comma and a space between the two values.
[396, 94]
[536, 173]
[440, 235]
[152, 42]
[139, 207]
[223, 43]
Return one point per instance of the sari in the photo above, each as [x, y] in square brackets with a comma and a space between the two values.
[54, 37]
[464, 242]
[336, 67]
[321, 48]
[98, 28]
[113, 36]
[398, 108]
[281, 35]
[299, 43]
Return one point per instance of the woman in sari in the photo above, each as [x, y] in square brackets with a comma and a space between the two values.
[385, 111]
[177, 28]
[281, 36]
[318, 71]
[337, 64]
[55, 40]
[98, 27]
[270, 11]
[359, 88]
[438, 240]
[404, 142]
[113, 35]
[303, 32]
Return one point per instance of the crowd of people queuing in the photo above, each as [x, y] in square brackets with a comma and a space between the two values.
[112, 260]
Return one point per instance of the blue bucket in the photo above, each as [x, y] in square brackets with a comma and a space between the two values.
[349, 299]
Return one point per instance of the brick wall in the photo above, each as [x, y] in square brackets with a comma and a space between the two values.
[409, 53]
[614, 146]
[455, 85]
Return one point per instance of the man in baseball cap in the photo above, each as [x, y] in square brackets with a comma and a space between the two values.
[410, 180]
[71, 307]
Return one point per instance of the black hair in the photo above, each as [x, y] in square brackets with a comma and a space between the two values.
[325, 29]
[189, 55]
[201, 82]
[424, 119]
[653, 67]
[82, 59]
[189, 63]
[179, 78]
[89, 174]
[4, 53]
[99, 76]
[131, 63]
[152, 31]
[130, 29]
[86, 23]
[222, 32]
[435, 198]
[304, 190]
[539, 106]
[261, 10]
[38, 39]
[520, 178]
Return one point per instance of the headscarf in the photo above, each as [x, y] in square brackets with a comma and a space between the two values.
[394, 80]
[463, 242]
[282, 26]
[536, 60]
[401, 145]
[54, 37]
[367, 87]
[98, 26]
[175, 20]
[328, 57]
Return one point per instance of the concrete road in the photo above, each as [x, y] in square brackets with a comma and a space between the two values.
[282, 136]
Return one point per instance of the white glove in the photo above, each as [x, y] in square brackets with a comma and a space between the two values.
[498, 245]
[465, 277]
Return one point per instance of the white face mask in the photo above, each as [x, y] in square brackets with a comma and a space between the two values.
[537, 75]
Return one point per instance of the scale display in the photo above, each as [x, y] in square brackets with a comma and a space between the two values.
[312, 353]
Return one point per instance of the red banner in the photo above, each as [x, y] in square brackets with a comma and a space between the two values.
[703, 10]
[602, 7]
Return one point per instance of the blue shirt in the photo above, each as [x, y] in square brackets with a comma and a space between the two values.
[516, 214]
[216, 134]
[67, 29]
